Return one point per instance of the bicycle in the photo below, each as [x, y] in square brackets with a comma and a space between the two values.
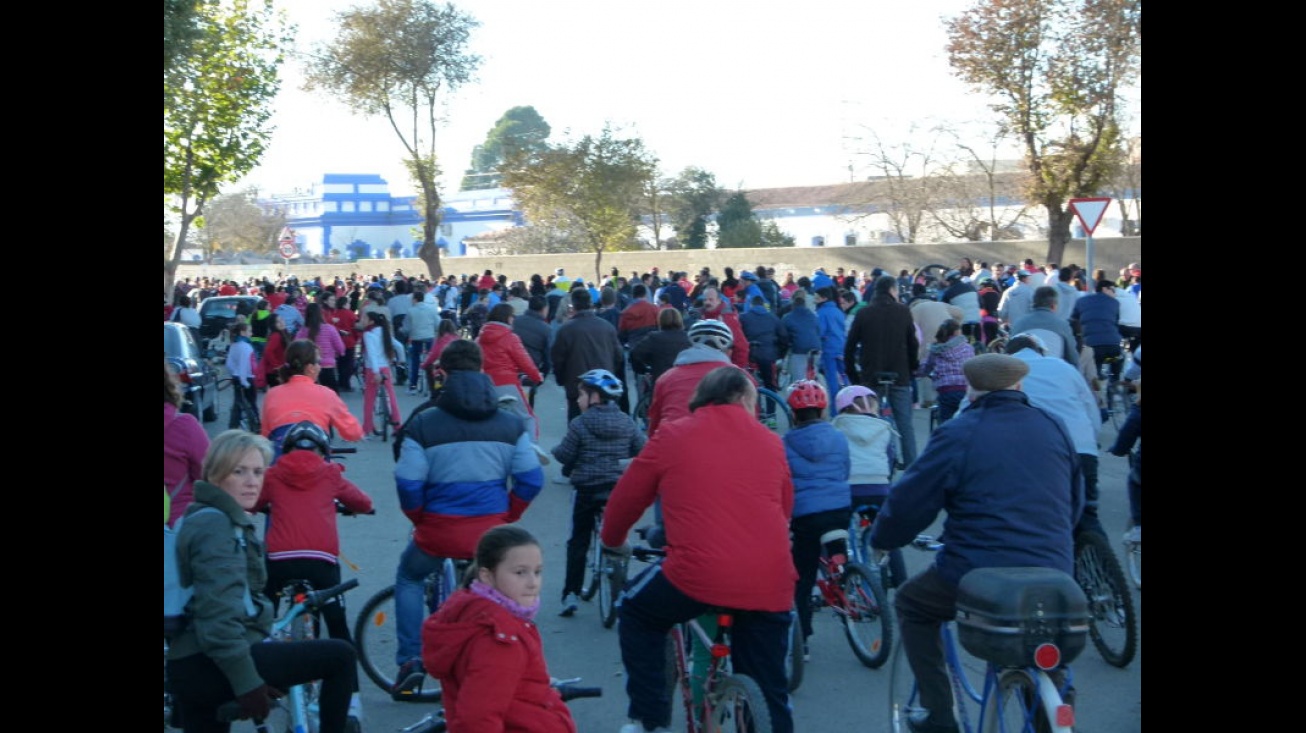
[1024, 626]
[1134, 560]
[1114, 392]
[856, 595]
[377, 639]
[434, 722]
[715, 699]
[249, 420]
[384, 412]
[1112, 624]
[607, 575]
[299, 707]
[885, 381]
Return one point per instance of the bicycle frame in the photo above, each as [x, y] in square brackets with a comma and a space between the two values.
[692, 631]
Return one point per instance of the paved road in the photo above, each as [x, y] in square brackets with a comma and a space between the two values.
[838, 693]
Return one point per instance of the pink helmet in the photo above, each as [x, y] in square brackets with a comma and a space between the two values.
[846, 396]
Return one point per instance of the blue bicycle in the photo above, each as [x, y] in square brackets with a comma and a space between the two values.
[298, 711]
[1023, 625]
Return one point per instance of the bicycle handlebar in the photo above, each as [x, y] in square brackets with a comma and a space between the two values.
[571, 692]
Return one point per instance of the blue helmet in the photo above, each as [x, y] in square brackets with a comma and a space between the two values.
[604, 381]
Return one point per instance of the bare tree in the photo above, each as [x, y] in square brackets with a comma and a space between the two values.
[979, 195]
[903, 192]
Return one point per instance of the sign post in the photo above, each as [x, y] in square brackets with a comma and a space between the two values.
[286, 244]
[1089, 211]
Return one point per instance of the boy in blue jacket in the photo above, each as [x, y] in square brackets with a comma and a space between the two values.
[819, 462]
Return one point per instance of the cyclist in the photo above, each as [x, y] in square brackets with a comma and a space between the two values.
[710, 343]
[767, 338]
[834, 337]
[506, 362]
[818, 457]
[805, 336]
[1028, 491]
[962, 294]
[657, 352]
[873, 449]
[241, 365]
[381, 351]
[300, 397]
[943, 366]
[219, 656]
[1129, 442]
[883, 338]
[455, 466]
[741, 515]
[590, 455]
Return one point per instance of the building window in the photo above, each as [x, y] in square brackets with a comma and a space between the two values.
[446, 229]
[348, 206]
[850, 240]
[382, 205]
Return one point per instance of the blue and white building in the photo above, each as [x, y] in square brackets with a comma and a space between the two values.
[355, 215]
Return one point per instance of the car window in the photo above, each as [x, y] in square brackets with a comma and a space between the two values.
[223, 309]
[180, 342]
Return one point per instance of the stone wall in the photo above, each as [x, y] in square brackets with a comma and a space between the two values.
[1110, 254]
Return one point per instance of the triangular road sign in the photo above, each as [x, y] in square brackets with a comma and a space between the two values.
[1090, 212]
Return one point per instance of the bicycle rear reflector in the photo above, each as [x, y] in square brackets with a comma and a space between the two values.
[1047, 656]
[1065, 716]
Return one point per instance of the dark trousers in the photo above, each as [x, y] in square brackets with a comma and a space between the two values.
[345, 370]
[648, 609]
[587, 504]
[250, 394]
[1134, 334]
[328, 378]
[1089, 520]
[1102, 353]
[200, 688]
[924, 603]
[806, 548]
[949, 400]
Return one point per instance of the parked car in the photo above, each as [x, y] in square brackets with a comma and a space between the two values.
[218, 312]
[196, 376]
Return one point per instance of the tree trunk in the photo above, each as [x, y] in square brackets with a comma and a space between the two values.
[1058, 231]
[429, 252]
[598, 268]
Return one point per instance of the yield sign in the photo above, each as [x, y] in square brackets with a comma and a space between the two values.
[1090, 212]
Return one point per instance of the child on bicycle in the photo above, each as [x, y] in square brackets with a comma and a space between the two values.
[590, 453]
[299, 493]
[949, 351]
[873, 450]
[381, 350]
[819, 464]
[484, 648]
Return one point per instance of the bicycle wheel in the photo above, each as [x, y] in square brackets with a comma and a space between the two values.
[903, 699]
[612, 576]
[1134, 561]
[595, 566]
[794, 658]
[1015, 706]
[738, 705]
[934, 418]
[383, 410]
[641, 411]
[377, 640]
[867, 619]
[1117, 404]
[773, 411]
[1111, 622]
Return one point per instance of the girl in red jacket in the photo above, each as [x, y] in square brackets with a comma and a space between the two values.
[485, 649]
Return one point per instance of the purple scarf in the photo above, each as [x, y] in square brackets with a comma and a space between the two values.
[525, 613]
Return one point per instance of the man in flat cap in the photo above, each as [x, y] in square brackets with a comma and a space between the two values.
[1015, 508]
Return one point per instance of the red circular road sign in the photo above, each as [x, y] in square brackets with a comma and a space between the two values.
[287, 248]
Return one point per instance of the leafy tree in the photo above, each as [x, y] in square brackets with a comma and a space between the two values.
[1056, 68]
[593, 187]
[773, 237]
[236, 223]
[395, 60]
[217, 102]
[737, 227]
[519, 129]
[180, 28]
[694, 195]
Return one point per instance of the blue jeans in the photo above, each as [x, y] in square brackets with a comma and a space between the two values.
[835, 377]
[903, 418]
[417, 349]
[410, 597]
[651, 605]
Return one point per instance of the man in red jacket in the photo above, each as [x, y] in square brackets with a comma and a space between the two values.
[713, 518]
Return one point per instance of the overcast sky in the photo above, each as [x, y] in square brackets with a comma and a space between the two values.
[761, 94]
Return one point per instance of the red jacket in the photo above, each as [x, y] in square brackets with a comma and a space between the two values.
[302, 488]
[344, 320]
[717, 512]
[491, 669]
[503, 357]
[739, 351]
[639, 314]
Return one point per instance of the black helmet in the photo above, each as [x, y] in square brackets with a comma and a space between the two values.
[306, 435]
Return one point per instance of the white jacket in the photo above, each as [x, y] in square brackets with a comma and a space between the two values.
[869, 440]
[374, 350]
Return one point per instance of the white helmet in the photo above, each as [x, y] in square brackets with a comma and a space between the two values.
[713, 333]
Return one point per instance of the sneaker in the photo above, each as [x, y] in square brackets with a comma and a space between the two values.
[1134, 535]
[543, 454]
[807, 652]
[409, 680]
[569, 605]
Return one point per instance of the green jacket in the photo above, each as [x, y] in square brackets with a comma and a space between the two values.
[221, 570]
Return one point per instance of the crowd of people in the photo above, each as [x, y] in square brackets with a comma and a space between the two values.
[468, 460]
